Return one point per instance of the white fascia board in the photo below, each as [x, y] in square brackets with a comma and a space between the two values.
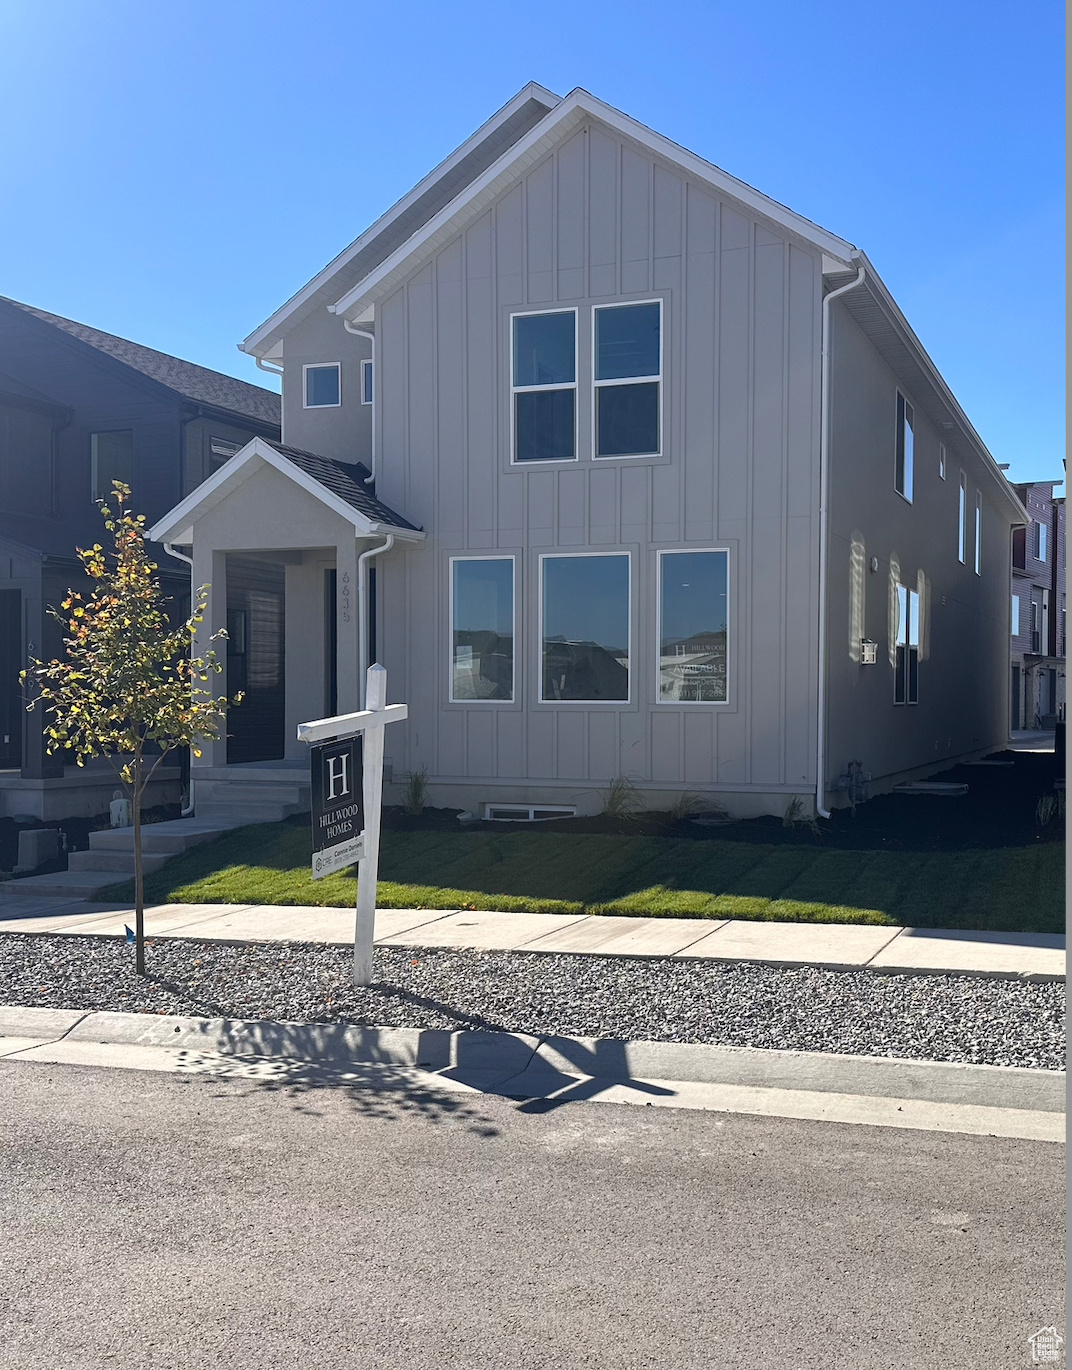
[254, 344]
[881, 294]
[529, 149]
[177, 525]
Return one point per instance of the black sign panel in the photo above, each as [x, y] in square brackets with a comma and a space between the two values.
[338, 805]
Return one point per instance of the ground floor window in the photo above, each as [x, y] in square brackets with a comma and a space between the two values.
[693, 625]
[906, 681]
[482, 628]
[584, 613]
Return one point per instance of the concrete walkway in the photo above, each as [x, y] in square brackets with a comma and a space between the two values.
[839, 946]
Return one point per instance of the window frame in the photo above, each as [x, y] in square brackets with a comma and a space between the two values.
[906, 670]
[1015, 616]
[658, 696]
[1042, 541]
[978, 532]
[962, 521]
[908, 466]
[94, 435]
[320, 366]
[515, 390]
[628, 380]
[367, 381]
[625, 703]
[941, 460]
[512, 557]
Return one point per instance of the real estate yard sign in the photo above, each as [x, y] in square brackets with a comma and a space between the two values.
[338, 805]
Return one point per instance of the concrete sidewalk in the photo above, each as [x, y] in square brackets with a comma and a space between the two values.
[838, 946]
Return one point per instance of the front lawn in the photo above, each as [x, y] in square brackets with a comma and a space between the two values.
[1004, 888]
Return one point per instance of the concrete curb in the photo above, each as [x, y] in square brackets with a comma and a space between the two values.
[492, 1060]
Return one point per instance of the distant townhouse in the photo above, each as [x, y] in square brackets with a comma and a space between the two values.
[80, 408]
[1037, 687]
[621, 468]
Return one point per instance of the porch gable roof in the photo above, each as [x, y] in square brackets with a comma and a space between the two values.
[336, 484]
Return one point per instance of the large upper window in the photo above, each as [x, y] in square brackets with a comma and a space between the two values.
[1040, 540]
[585, 628]
[628, 369]
[905, 462]
[693, 620]
[482, 628]
[906, 682]
[322, 388]
[112, 458]
[544, 386]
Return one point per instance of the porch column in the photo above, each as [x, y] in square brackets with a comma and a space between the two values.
[349, 698]
[210, 567]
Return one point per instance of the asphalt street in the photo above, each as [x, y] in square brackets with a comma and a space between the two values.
[191, 1223]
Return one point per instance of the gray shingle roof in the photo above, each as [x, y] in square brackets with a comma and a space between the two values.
[346, 480]
[187, 379]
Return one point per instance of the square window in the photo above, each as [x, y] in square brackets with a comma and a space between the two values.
[543, 371]
[693, 623]
[627, 350]
[322, 386]
[482, 628]
[905, 460]
[585, 628]
[545, 349]
[545, 425]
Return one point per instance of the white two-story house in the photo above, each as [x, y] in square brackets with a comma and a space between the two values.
[621, 469]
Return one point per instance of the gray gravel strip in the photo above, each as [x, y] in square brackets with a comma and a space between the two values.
[929, 1017]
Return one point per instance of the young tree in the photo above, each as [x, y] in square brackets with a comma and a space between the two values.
[129, 678]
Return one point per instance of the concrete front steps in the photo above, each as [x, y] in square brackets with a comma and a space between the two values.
[264, 794]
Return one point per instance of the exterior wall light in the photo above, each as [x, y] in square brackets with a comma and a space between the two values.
[868, 652]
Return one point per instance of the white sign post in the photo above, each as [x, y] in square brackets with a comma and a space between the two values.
[371, 721]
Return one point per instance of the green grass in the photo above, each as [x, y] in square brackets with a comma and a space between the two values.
[1008, 889]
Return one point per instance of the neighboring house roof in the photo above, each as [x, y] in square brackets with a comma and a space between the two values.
[192, 382]
[338, 485]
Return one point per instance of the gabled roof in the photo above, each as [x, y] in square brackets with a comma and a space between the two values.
[402, 220]
[192, 382]
[336, 484]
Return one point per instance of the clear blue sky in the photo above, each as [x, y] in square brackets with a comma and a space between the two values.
[173, 171]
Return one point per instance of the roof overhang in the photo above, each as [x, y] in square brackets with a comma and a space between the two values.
[577, 107]
[178, 524]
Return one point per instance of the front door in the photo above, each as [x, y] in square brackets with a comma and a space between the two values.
[11, 712]
[256, 617]
[1015, 698]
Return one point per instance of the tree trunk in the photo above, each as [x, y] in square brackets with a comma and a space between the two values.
[139, 881]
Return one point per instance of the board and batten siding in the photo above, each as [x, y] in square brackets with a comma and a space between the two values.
[598, 221]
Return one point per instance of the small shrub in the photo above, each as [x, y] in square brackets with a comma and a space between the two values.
[796, 816]
[416, 791]
[621, 799]
[688, 804]
[1048, 806]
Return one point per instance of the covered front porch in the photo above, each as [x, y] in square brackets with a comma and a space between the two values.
[286, 542]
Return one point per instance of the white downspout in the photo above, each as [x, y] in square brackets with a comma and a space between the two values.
[362, 612]
[824, 515]
[366, 333]
[272, 370]
[187, 812]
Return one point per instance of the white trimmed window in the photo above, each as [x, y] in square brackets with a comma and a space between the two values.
[905, 456]
[627, 370]
[366, 382]
[584, 628]
[322, 386]
[1041, 532]
[962, 519]
[978, 533]
[941, 460]
[543, 375]
[481, 629]
[693, 627]
[906, 676]
[1015, 615]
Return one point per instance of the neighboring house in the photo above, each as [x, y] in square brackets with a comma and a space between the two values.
[79, 408]
[641, 530]
[1037, 690]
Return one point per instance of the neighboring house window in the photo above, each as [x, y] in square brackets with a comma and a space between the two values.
[1016, 615]
[906, 682]
[112, 458]
[1062, 649]
[1040, 541]
[544, 386]
[27, 475]
[322, 387]
[482, 628]
[941, 460]
[1036, 636]
[628, 372]
[978, 533]
[905, 448]
[693, 624]
[366, 382]
[221, 450]
[584, 627]
[962, 516]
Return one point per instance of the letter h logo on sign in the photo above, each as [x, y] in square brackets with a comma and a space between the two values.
[338, 776]
[337, 804]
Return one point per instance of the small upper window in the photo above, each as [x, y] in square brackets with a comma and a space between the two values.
[962, 520]
[628, 373]
[905, 448]
[978, 533]
[544, 377]
[322, 386]
[1040, 540]
[112, 458]
[366, 382]
[941, 460]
